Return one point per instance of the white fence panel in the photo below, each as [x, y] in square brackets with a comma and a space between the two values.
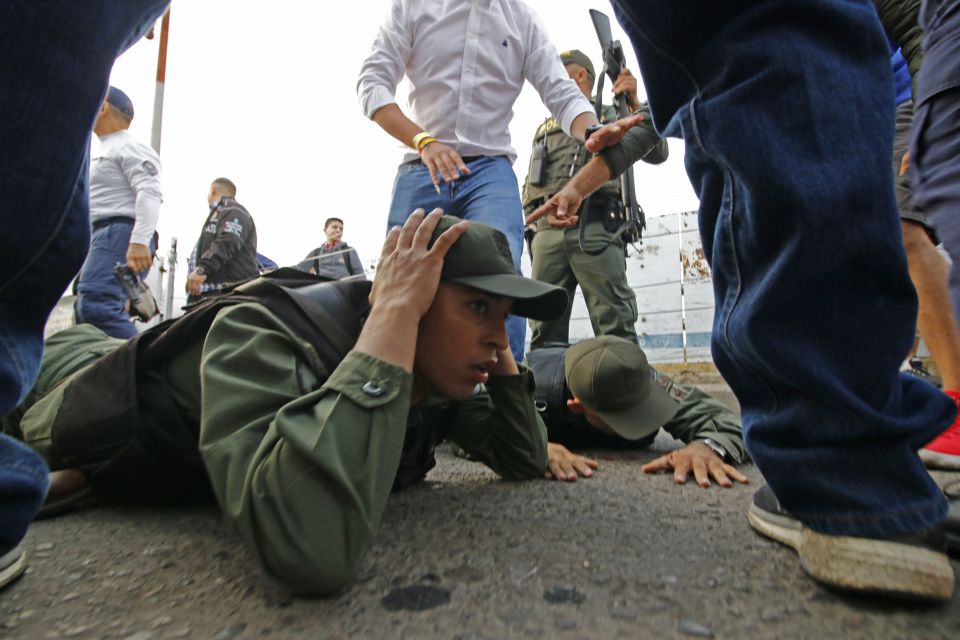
[674, 291]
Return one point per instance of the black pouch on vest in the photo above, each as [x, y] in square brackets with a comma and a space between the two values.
[120, 425]
[88, 434]
[538, 163]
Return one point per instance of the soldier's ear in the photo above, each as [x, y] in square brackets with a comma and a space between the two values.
[575, 406]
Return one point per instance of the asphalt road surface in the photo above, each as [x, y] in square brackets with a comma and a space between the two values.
[464, 556]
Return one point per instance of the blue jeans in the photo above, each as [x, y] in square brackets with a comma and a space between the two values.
[488, 195]
[100, 298]
[23, 485]
[55, 61]
[812, 319]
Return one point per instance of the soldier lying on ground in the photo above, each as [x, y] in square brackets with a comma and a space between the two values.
[309, 405]
[601, 393]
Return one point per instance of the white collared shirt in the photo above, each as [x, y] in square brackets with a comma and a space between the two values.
[125, 181]
[466, 61]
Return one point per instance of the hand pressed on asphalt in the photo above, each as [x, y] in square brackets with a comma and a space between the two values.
[563, 464]
[699, 459]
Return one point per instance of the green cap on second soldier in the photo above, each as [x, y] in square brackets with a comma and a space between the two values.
[575, 56]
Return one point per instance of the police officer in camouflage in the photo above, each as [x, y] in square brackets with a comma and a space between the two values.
[556, 254]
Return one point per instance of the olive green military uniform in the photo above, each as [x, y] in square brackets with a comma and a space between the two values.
[698, 416]
[301, 459]
[611, 376]
[556, 254]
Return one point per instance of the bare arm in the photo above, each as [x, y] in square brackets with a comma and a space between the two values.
[392, 120]
[566, 201]
[440, 159]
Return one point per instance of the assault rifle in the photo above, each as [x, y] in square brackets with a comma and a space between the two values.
[634, 219]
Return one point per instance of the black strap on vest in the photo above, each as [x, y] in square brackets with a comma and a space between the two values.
[119, 423]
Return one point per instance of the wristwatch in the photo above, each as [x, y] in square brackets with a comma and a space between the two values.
[717, 449]
[200, 271]
[589, 131]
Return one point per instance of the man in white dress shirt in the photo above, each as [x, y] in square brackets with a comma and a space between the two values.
[466, 63]
[124, 208]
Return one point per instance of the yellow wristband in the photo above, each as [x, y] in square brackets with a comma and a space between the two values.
[426, 142]
[417, 139]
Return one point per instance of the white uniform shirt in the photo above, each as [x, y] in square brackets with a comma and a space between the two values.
[125, 181]
[466, 61]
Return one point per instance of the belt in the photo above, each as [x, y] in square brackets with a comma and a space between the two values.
[105, 222]
[601, 205]
[466, 159]
[604, 202]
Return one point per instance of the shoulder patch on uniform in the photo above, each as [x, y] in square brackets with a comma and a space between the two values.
[150, 168]
[548, 126]
[233, 226]
[674, 390]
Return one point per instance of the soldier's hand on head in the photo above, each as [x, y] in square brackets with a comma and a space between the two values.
[563, 464]
[626, 84]
[408, 276]
[611, 134]
[699, 459]
[562, 206]
[408, 273]
[139, 257]
[442, 160]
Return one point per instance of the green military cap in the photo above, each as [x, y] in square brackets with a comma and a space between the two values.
[611, 376]
[575, 56]
[481, 259]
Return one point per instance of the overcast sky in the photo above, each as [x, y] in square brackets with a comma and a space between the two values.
[264, 94]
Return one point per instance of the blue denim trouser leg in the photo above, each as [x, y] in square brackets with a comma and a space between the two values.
[100, 298]
[812, 319]
[489, 194]
[23, 485]
[55, 61]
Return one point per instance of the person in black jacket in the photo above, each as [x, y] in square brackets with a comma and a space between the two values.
[226, 252]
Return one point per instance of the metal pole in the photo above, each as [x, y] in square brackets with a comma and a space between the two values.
[161, 296]
[161, 81]
[683, 293]
[171, 271]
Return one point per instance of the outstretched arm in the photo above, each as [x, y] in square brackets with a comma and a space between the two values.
[617, 137]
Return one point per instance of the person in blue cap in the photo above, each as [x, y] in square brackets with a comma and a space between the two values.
[124, 208]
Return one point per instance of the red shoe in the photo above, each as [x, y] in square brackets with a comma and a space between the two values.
[944, 451]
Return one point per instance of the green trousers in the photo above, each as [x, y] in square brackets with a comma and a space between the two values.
[611, 302]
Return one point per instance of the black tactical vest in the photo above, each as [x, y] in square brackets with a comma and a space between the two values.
[551, 385]
[133, 441]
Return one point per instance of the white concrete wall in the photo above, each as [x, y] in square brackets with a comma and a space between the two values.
[674, 291]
